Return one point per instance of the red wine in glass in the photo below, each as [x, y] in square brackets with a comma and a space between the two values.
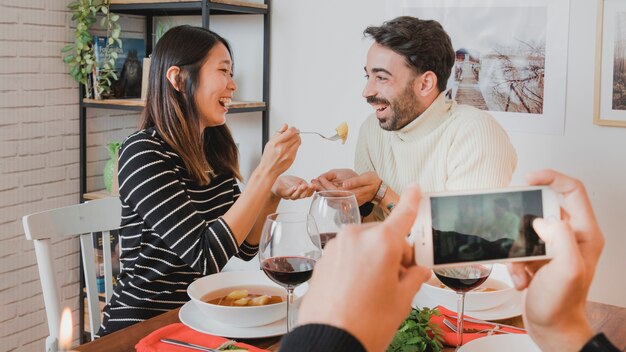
[332, 210]
[462, 280]
[288, 250]
[461, 285]
[327, 236]
[288, 271]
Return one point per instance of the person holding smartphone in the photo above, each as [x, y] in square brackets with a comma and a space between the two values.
[362, 288]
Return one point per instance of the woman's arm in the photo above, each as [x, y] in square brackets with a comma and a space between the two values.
[247, 215]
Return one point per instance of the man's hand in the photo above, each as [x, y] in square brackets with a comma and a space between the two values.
[333, 179]
[363, 186]
[367, 275]
[292, 187]
[557, 290]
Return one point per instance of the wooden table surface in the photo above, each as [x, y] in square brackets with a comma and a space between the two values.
[603, 317]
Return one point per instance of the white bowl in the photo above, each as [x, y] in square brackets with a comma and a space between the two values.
[474, 300]
[222, 283]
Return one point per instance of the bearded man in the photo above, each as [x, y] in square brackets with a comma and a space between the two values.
[416, 134]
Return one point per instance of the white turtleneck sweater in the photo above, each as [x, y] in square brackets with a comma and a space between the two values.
[448, 147]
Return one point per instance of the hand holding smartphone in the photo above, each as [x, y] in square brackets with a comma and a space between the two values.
[482, 226]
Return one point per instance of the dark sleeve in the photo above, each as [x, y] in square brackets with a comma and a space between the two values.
[319, 337]
[246, 250]
[150, 186]
[366, 209]
[599, 343]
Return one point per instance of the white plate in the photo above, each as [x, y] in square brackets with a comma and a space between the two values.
[499, 343]
[509, 309]
[194, 319]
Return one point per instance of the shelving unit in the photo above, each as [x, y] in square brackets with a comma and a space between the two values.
[150, 9]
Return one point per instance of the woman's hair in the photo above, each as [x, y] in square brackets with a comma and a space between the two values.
[174, 114]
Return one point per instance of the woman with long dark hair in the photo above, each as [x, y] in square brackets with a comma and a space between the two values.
[183, 215]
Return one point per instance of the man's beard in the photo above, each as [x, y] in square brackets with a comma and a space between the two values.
[404, 109]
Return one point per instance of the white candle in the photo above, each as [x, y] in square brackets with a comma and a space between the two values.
[65, 332]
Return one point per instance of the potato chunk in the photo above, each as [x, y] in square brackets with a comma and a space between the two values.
[237, 294]
[242, 301]
[260, 301]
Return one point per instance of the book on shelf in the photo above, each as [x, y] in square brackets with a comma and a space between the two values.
[99, 257]
[128, 65]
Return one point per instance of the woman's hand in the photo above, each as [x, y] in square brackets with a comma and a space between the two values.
[292, 187]
[280, 151]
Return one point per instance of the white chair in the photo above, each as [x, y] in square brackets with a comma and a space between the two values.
[42, 228]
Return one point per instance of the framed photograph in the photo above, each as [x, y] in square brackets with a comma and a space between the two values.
[610, 83]
[511, 57]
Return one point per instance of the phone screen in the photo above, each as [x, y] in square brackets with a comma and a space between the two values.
[486, 226]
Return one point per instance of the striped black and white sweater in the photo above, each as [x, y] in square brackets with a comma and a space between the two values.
[171, 232]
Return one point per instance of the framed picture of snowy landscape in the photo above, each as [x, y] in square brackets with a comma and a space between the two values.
[511, 57]
[610, 85]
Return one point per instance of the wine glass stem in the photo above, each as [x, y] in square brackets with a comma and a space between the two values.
[460, 308]
[290, 322]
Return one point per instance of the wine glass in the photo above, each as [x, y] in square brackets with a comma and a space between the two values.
[333, 209]
[288, 250]
[462, 279]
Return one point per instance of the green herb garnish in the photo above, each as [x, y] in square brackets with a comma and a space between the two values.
[416, 334]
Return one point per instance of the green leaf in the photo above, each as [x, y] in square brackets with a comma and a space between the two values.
[413, 334]
[67, 48]
[413, 340]
[115, 17]
[110, 41]
[104, 10]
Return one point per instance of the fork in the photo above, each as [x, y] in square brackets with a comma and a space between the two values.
[331, 138]
[189, 345]
[496, 329]
[478, 321]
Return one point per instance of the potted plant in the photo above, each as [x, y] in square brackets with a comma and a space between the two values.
[94, 72]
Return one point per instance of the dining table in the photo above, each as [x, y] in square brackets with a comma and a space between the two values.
[607, 318]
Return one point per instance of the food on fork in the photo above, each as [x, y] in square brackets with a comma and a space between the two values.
[342, 131]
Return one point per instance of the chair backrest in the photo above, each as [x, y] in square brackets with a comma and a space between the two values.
[96, 216]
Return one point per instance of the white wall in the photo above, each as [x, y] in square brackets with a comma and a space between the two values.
[317, 76]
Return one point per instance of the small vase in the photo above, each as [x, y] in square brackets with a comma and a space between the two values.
[110, 168]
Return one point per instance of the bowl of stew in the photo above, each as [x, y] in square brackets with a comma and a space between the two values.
[241, 298]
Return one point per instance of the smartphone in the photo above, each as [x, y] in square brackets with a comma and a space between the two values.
[482, 226]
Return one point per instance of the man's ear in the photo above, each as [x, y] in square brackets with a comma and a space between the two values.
[172, 76]
[426, 84]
